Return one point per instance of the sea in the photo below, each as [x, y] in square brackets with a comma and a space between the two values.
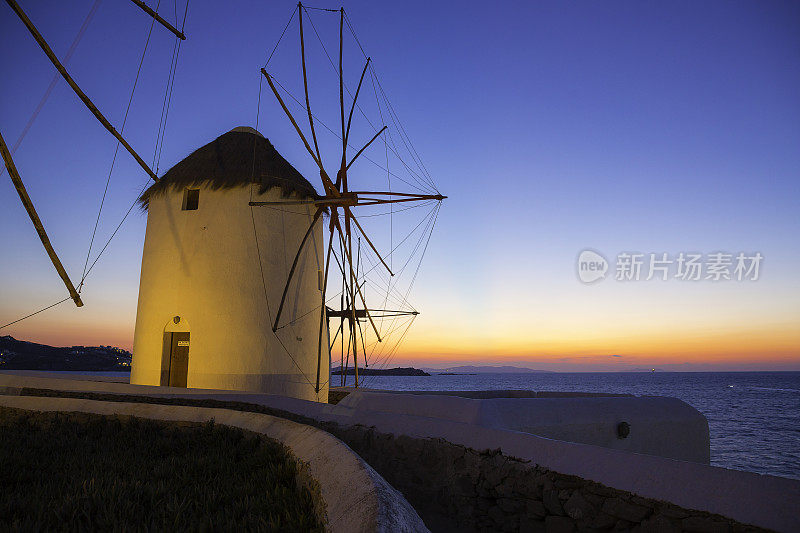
[753, 417]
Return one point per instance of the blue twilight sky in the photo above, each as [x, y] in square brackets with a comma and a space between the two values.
[552, 127]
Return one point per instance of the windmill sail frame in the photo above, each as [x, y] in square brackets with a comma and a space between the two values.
[339, 196]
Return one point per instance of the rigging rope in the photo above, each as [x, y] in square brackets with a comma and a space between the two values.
[338, 136]
[266, 296]
[372, 267]
[54, 81]
[389, 185]
[401, 130]
[253, 220]
[396, 346]
[418, 158]
[322, 9]
[412, 151]
[280, 38]
[165, 107]
[363, 114]
[429, 232]
[157, 151]
[36, 312]
[116, 148]
[35, 115]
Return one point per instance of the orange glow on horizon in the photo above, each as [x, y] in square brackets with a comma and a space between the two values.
[554, 342]
[775, 344]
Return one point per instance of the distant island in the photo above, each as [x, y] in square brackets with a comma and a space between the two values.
[406, 371]
[471, 370]
[23, 355]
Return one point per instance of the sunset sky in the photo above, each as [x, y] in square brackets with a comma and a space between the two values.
[552, 128]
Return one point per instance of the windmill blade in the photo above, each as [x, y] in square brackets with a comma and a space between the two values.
[291, 118]
[336, 336]
[353, 106]
[349, 261]
[363, 346]
[379, 201]
[341, 324]
[405, 194]
[344, 199]
[365, 147]
[364, 233]
[144, 7]
[305, 83]
[353, 282]
[282, 202]
[322, 305]
[341, 104]
[37, 223]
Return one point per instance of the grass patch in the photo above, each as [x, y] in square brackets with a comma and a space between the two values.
[76, 471]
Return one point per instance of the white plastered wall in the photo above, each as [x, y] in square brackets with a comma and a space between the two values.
[203, 266]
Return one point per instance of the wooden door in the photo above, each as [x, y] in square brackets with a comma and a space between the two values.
[179, 359]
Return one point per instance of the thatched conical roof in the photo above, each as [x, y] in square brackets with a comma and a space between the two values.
[234, 159]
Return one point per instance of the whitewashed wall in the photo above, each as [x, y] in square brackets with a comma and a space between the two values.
[203, 265]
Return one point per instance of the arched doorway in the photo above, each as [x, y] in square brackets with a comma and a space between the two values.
[175, 354]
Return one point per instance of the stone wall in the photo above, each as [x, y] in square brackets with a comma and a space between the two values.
[459, 489]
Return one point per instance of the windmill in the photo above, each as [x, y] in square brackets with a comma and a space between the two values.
[339, 206]
[340, 202]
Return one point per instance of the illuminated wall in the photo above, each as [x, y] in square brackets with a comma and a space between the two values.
[203, 266]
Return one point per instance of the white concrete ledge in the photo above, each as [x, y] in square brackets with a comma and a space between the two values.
[666, 427]
[357, 498]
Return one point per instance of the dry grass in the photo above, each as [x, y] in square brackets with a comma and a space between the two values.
[73, 471]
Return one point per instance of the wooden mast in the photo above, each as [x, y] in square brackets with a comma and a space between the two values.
[350, 164]
[322, 309]
[37, 223]
[305, 81]
[85, 99]
[342, 178]
[144, 7]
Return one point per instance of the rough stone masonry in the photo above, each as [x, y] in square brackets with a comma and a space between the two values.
[455, 488]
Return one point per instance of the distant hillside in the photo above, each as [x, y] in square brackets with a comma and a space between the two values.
[485, 370]
[408, 371]
[23, 355]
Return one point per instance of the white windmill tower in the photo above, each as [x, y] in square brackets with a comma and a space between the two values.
[211, 265]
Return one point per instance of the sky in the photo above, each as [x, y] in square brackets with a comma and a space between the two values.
[553, 128]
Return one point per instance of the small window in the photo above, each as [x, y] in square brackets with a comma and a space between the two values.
[191, 198]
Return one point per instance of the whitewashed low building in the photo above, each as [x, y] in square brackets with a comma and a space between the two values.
[214, 270]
